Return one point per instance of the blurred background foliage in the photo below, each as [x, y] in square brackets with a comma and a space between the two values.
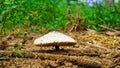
[47, 15]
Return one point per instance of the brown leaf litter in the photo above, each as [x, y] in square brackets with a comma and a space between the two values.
[93, 50]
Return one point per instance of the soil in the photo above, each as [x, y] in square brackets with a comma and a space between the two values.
[93, 50]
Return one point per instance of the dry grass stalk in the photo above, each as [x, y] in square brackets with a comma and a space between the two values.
[114, 32]
[80, 22]
[105, 27]
[70, 18]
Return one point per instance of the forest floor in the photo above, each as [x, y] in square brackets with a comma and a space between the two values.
[93, 50]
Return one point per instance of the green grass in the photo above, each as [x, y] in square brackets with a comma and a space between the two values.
[99, 15]
[43, 15]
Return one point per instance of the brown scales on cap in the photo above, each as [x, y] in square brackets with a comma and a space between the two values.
[55, 39]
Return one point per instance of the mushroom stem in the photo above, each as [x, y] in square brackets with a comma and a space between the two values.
[57, 48]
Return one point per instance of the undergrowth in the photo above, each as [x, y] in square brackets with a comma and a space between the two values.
[43, 15]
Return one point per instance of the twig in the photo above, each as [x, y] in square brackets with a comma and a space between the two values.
[105, 27]
[114, 32]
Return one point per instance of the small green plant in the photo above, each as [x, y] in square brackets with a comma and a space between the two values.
[20, 54]
[24, 38]
[16, 51]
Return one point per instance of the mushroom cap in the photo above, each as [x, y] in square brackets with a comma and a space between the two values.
[55, 38]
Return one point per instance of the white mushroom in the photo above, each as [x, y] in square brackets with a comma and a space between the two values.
[56, 39]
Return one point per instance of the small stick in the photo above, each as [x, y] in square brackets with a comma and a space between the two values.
[115, 31]
[105, 27]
